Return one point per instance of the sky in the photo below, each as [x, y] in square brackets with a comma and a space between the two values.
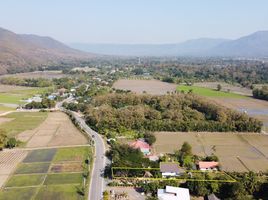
[134, 21]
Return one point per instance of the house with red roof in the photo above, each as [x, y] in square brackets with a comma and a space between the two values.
[208, 165]
[142, 145]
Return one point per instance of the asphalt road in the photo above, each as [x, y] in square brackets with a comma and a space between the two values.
[97, 181]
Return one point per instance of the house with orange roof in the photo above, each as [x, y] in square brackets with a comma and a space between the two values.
[208, 165]
[142, 145]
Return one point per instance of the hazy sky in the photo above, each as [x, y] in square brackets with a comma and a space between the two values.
[134, 21]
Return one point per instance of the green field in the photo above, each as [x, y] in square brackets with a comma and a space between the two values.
[5, 108]
[67, 154]
[25, 180]
[32, 168]
[36, 180]
[59, 192]
[18, 193]
[58, 179]
[22, 121]
[207, 92]
[15, 96]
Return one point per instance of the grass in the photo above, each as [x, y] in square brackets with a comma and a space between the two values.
[18, 193]
[44, 155]
[71, 154]
[32, 168]
[58, 179]
[25, 180]
[207, 92]
[16, 96]
[59, 192]
[22, 121]
[5, 108]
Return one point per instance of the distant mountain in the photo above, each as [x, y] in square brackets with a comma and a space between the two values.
[22, 52]
[190, 47]
[254, 45]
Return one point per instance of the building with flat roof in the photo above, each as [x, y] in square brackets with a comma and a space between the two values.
[173, 193]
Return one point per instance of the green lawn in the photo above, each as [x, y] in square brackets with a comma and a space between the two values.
[25, 180]
[22, 121]
[15, 96]
[58, 192]
[71, 154]
[58, 179]
[32, 168]
[207, 92]
[17, 194]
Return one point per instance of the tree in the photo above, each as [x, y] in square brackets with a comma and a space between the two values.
[219, 87]
[11, 143]
[149, 138]
[186, 149]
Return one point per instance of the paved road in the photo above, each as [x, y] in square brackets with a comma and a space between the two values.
[97, 181]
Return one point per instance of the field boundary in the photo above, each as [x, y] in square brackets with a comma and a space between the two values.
[229, 179]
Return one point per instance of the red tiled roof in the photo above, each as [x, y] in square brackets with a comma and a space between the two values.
[208, 164]
[138, 144]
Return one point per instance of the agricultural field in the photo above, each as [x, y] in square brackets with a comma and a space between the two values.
[154, 87]
[16, 94]
[208, 92]
[49, 174]
[56, 130]
[253, 107]
[37, 74]
[226, 87]
[236, 152]
[17, 122]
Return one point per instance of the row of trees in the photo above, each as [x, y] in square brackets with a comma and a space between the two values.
[177, 112]
[30, 82]
[261, 93]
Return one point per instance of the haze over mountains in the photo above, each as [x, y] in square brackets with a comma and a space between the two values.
[23, 52]
[254, 45]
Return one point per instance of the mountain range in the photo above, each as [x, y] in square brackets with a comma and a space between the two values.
[254, 45]
[23, 52]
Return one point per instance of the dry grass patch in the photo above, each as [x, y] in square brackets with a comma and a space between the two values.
[56, 130]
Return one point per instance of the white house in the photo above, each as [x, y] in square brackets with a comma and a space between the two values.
[173, 193]
[170, 169]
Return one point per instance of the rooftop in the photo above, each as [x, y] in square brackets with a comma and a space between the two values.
[170, 167]
[173, 193]
[139, 144]
[208, 164]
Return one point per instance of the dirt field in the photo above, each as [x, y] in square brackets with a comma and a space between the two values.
[226, 87]
[8, 162]
[150, 86]
[56, 130]
[37, 74]
[9, 88]
[237, 152]
[253, 107]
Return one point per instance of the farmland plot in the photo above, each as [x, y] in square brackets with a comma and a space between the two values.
[237, 152]
[56, 130]
[149, 86]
